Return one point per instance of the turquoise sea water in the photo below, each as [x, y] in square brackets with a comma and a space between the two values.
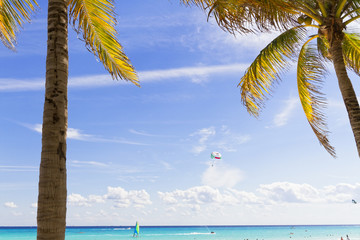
[195, 233]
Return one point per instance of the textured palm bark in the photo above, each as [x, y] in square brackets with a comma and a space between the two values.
[347, 90]
[51, 215]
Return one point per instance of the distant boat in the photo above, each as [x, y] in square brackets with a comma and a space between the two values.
[137, 230]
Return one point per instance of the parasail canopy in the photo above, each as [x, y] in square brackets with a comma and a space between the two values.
[215, 155]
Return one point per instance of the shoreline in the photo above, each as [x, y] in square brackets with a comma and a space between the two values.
[195, 226]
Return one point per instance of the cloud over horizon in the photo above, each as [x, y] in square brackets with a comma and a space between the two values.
[119, 197]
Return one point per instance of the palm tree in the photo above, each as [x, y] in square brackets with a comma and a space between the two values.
[331, 42]
[94, 19]
[13, 14]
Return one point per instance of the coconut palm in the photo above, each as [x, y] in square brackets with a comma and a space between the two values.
[94, 19]
[13, 14]
[314, 33]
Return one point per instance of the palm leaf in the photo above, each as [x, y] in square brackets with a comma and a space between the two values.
[351, 9]
[13, 14]
[351, 51]
[95, 20]
[310, 71]
[259, 78]
[246, 16]
[323, 48]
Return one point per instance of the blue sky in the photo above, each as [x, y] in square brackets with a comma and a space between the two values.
[143, 154]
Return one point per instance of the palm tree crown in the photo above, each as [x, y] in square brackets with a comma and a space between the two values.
[295, 19]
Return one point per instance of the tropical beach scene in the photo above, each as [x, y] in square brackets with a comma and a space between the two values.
[179, 120]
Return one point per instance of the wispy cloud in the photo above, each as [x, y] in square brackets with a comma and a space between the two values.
[203, 136]
[282, 118]
[18, 169]
[143, 133]
[195, 74]
[77, 163]
[77, 134]
[223, 139]
[10, 205]
[16, 85]
[72, 133]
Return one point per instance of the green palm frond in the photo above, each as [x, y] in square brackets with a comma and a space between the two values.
[323, 48]
[13, 14]
[351, 12]
[308, 8]
[241, 15]
[310, 71]
[200, 3]
[351, 9]
[259, 78]
[95, 20]
[351, 51]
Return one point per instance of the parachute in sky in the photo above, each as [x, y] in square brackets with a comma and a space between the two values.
[354, 202]
[215, 156]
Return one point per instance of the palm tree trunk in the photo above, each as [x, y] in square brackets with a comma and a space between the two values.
[51, 215]
[347, 90]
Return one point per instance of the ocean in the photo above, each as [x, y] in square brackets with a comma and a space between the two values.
[318, 232]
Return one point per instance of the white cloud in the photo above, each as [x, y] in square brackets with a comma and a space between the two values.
[223, 139]
[202, 202]
[167, 165]
[228, 141]
[96, 199]
[342, 192]
[206, 196]
[242, 197]
[10, 205]
[220, 175]
[72, 133]
[196, 74]
[203, 136]
[119, 196]
[276, 193]
[289, 192]
[7, 84]
[305, 193]
[123, 198]
[77, 163]
[195, 195]
[141, 133]
[282, 118]
[76, 134]
[34, 205]
[18, 169]
[78, 200]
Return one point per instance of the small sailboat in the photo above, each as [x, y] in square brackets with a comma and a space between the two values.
[136, 230]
